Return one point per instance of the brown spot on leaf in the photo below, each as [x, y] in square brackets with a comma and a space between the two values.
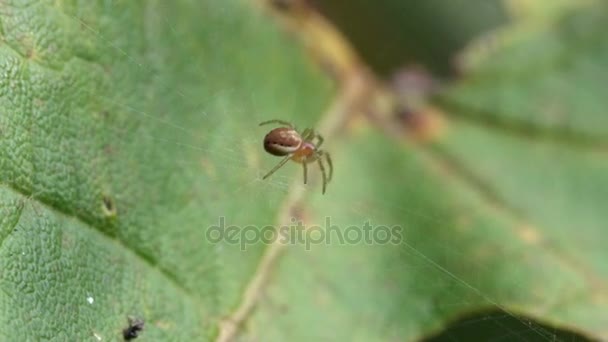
[208, 167]
[425, 124]
[529, 234]
[108, 149]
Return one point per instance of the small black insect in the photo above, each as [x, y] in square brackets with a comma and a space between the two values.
[131, 332]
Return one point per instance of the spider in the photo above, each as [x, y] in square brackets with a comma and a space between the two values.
[299, 147]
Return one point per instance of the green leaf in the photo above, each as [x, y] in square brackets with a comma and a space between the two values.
[461, 252]
[547, 81]
[127, 129]
[506, 212]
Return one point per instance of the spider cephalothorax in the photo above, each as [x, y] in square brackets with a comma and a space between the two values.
[300, 147]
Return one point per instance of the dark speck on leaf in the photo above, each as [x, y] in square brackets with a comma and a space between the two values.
[108, 206]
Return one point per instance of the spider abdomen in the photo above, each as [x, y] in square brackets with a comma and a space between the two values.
[282, 141]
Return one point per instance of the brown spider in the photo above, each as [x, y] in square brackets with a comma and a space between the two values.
[299, 147]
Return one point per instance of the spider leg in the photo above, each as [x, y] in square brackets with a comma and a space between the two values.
[319, 140]
[323, 173]
[307, 134]
[330, 164]
[282, 122]
[274, 169]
